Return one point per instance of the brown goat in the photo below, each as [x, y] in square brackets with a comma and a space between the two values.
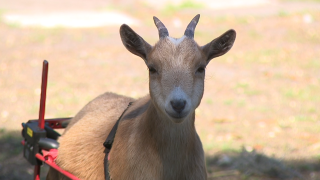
[156, 137]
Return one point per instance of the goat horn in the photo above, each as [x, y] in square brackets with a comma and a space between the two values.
[163, 32]
[192, 26]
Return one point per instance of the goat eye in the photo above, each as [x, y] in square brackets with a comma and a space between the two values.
[152, 70]
[200, 70]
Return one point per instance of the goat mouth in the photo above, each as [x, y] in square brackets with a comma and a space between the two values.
[177, 116]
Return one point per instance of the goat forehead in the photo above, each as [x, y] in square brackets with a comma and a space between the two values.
[176, 41]
[180, 52]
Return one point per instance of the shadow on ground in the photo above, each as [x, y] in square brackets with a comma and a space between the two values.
[253, 165]
[224, 165]
[13, 166]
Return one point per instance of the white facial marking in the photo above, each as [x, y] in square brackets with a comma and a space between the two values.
[179, 61]
[176, 41]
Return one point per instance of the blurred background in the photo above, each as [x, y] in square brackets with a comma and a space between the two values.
[259, 117]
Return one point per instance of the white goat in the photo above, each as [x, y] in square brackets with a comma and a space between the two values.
[156, 137]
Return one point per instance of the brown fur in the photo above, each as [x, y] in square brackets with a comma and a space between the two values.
[153, 141]
[144, 148]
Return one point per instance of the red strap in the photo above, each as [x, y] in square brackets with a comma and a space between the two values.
[50, 155]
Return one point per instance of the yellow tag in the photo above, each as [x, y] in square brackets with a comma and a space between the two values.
[29, 132]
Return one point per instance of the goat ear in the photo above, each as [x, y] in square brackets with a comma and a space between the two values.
[220, 45]
[133, 42]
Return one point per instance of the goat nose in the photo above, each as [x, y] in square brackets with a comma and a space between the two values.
[178, 105]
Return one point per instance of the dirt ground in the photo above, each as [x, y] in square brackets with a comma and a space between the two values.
[259, 117]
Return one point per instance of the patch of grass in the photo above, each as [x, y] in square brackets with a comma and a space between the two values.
[302, 118]
[190, 4]
[284, 124]
[218, 146]
[13, 25]
[283, 13]
[244, 88]
[242, 85]
[112, 7]
[252, 92]
[171, 8]
[312, 110]
[222, 19]
[138, 79]
[301, 94]
[201, 34]
[228, 102]
[262, 109]
[226, 146]
[236, 20]
[209, 101]
[208, 146]
[2, 11]
[254, 34]
[313, 63]
[241, 103]
[33, 109]
[38, 38]
[45, 35]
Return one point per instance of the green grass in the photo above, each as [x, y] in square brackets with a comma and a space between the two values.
[43, 35]
[219, 146]
[13, 25]
[209, 101]
[241, 103]
[308, 93]
[312, 110]
[227, 146]
[297, 94]
[246, 89]
[171, 8]
[254, 34]
[262, 109]
[313, 64]
[283, 13]
[2, 11]
[242, 85]
[302, 118]
[208, 146]
[228, 102]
